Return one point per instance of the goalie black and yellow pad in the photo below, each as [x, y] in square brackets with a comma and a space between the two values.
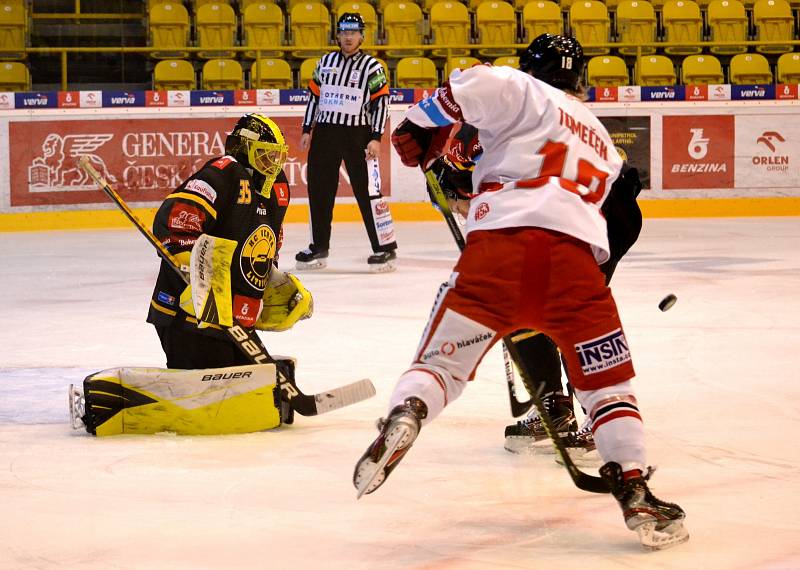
[237, 399]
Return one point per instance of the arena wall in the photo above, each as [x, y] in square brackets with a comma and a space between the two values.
[703, 159]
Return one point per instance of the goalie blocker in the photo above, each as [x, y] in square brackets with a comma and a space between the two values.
[236, 399]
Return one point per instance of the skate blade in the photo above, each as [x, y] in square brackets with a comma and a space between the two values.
[524, 446]
[387, 267]
[311, 265]
[652, 539]
[76, 407]
[582, 457]
[397, 436]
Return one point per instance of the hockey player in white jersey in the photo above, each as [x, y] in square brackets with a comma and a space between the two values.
[535, 236]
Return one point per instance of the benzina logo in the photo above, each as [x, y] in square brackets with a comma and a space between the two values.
[698, 149]
[698, 145]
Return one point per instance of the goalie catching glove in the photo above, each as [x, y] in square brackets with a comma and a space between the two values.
[286, 301]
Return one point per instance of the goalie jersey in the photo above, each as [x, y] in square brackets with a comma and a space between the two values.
[222, 199]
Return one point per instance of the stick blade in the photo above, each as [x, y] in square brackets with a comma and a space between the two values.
[344, 396]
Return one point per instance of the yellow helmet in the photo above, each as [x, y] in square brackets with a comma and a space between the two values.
[257, 142]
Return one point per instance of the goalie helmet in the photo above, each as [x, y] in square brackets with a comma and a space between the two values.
[258, 143]
[556, 60]
[350, 22]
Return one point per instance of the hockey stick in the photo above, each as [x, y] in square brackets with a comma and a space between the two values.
[435, 190]
[247, 340]
[582, 480]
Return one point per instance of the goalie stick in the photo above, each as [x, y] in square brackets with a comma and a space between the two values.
[247, 340]
[582, 480]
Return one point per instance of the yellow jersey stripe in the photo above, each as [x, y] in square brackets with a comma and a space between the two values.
[195, 198]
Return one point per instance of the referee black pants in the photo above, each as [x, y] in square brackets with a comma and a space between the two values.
[330, 145]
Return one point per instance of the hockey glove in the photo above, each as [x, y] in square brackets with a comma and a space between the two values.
[286, 301]
[454, 178]
[418, 145]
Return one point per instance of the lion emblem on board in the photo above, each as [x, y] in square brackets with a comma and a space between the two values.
[58, 165]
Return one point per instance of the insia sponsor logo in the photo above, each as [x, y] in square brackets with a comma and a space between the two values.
[604, 352]
[226, 376]
[773, 162]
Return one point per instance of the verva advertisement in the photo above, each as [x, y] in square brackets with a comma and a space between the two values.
[698, 152]
[144, 159]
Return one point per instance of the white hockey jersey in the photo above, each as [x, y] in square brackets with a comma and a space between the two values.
[547, 161]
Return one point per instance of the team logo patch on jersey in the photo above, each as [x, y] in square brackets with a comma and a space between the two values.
[604, 352]
[257, 254]
[186, 218]
[481, 211]
[355, 75]
[203, 188]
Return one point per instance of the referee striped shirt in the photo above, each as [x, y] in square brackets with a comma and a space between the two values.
[349, 91]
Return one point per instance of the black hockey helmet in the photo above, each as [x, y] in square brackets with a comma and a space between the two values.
[556, 60]
[257, 142]
[350, 22]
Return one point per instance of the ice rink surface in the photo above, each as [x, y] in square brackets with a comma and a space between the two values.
[717, 382]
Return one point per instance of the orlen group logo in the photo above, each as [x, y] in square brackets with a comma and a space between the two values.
[774, 161]
[56, 168]
[698, 151]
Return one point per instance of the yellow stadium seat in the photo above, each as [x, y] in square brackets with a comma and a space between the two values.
[416, 72]
[215, 23]
[262, 27]
[169, 30]
[463, 62]
[683, 24]
[14, 76]
[590, 25]
[607, 71]
[449, 26]
[271, 73]
[13, 29]
[198, 3]
[655, 71]
[701, 70]
[636, 24]
[307, 71]
[311, 29]
[220, 74]
[749, 69]
[789, 68]
[402, 22]
[728, 23]
[508, 61]
[368, 14]
[773, 21]
[245, 4]
[174, 75]
[541, 17]
[497, 26]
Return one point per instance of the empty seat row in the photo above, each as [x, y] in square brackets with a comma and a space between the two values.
[655, 70]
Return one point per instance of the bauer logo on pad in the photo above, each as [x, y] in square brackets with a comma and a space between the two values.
[604, 352]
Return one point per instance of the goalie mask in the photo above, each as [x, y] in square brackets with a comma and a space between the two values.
[556, 60]
[257, 142]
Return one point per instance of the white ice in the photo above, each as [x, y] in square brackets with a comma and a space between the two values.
[717, 382]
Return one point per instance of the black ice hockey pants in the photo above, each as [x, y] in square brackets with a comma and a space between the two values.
[330, 145]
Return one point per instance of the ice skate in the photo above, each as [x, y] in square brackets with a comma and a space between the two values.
[77, 406]
[382, 262]
[528, 436]
[658, 524]
[310, 259]
[397, 434]
[581, 448]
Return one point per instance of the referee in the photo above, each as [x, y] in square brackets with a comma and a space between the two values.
[346, 113]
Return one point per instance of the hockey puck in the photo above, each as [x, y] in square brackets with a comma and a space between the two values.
[667, 302]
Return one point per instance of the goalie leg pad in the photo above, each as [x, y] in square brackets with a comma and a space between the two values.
[236, 399]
